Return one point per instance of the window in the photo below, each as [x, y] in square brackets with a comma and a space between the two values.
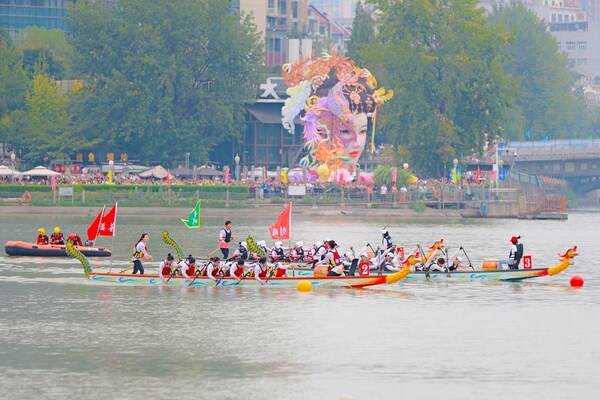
[560, 18]
[553, 17]
[582, 45]
[282, 22]
[282, 6]
[294, 9]
[271, 4]
[274, 45]
[570, 45]
[271, 22]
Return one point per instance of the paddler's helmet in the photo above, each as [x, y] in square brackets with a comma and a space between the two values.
[278, 245]
[41, 231]
[244, 245]
[72, 236]
[299, 244]
[262, 243]
[56, 230]
[515, 239]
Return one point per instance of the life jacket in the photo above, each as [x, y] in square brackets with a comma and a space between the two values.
[166, 270]
[77, 241]
[279, 252]
[243, 253]
[518, 254]
[227, 235]
[337, 259]
[216, 270]
[300, 252]
[263, 273]
[191, 270]
[279, 272]
[57, 238]
[387, 241]
[42, 239]
[238, 272]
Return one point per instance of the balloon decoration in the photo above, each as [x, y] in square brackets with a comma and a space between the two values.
[337, 101]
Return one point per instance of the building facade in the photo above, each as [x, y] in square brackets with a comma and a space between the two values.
[16, 15]
[340, 11]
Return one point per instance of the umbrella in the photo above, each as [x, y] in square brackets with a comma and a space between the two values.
[5, 171]
[41, 172]
[158, 172]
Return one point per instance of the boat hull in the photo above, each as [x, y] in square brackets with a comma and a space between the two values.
[464, 276]
[27, 249]
[155, 280]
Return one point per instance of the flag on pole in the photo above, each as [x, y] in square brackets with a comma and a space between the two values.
[193, 220]
[94, 227]
[282, 227]
[108, 225]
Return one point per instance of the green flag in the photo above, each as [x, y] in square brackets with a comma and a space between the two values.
[193, 220]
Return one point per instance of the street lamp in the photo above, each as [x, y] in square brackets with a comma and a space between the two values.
[236, 160]
[13, 157]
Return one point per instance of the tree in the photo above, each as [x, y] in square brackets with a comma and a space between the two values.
[45, 50]
[163, 78]
[445, 64]
[546, 104]
[363, 31]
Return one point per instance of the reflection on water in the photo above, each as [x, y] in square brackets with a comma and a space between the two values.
[64, 337]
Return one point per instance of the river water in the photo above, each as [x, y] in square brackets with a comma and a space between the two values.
[62, 337]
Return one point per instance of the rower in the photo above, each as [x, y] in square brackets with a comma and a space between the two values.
[263, 246]
[242, 251]
[236, 270]
[214, 268]
[386, 241]
[277, 254]
[280, 270]
[165, 268]
[365, 263]
[439, 265]
[57, 236]
[260, 270]
[140, 253]
[456, 264]
[516, 253]
[75, 239]
[188, 267]
[42, 238]
[297, 253]
[225, 236]
[321, 252]
[388, 264]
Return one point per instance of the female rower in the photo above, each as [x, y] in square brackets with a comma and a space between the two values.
[236, 270]
[260, 270]
[140, 253]
[166, 269]
[297, 253]
[188, 267]
[278, 254]
[280, 270]
[242, 251]
[214, 268]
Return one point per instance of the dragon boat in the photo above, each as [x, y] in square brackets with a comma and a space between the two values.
[16, 248]
[203, 281]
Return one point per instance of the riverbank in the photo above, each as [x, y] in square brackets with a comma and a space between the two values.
[266, 210]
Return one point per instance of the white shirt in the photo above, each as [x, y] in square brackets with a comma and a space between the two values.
[338, 269]
[140, 249]
[210, 270]
[183, 266]
[257, 271]
[233, 267]
[321, 253]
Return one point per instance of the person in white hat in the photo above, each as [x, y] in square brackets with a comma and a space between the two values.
[242, 251]
[277, 254]
[456, 263]
[297, 252]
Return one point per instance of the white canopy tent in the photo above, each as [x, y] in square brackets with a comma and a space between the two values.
[5, 171]
[40, 171]
[158, 172]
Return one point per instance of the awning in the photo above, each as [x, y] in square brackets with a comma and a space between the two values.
[266, 113]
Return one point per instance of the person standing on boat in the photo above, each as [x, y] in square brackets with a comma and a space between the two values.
[165, 268]
[225, 237]
[57, 236]
[42, 238]
[260, 270]
[516, 253]
[386, 241]
[140, 253]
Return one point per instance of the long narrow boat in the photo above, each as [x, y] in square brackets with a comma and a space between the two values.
[202, 281]
[510, 275]
[16, 248]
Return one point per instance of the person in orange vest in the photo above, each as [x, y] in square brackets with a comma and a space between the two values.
[57, 236]
[188, 267]
[42, 238]
[75, 239]
[213, 269]
[260, 270]
[236, 269]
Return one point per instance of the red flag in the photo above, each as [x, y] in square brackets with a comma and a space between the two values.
[108, 225]
[94, 228]
[280, 230]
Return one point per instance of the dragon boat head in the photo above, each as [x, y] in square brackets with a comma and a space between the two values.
[569, 255]
[437, 245]
[412, 259]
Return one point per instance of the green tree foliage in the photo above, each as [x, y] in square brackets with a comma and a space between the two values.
[445, 63]
[546, 103]
[163, 78]
[363, 32]
[45, 50]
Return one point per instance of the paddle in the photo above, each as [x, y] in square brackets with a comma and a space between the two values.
[197, 274]
[468, 259]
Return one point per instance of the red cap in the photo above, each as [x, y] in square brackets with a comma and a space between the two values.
[515, 239]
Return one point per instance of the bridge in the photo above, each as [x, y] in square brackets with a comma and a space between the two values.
[575, 160]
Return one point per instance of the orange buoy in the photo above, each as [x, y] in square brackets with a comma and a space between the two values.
[576, 281]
